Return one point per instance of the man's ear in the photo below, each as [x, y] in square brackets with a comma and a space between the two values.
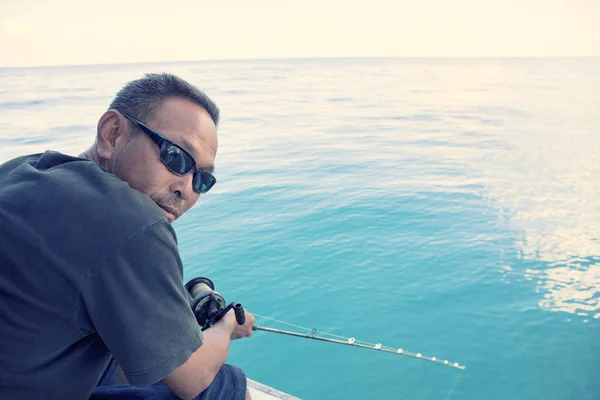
[112, 131]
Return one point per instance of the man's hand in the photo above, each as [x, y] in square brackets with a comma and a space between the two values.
[238, 331]
[198, 372]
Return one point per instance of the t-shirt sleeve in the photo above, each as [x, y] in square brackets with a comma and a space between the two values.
[138, 304]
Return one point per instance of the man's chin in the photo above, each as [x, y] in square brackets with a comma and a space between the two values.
[170, 217]
[170, 214]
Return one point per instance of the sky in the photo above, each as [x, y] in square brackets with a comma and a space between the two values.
[75, 32]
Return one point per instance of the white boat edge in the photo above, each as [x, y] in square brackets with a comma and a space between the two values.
[258, 391]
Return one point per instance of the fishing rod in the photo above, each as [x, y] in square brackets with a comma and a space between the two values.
[209, 307]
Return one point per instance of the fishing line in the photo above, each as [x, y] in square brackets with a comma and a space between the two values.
[451, 390]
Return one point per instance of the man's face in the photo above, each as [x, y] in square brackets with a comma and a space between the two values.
[136, 159]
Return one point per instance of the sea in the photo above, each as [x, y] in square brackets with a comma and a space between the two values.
[448, 207]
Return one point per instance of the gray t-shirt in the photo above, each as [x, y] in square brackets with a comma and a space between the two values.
[89, 268]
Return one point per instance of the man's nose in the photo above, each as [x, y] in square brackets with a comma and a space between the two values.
[183, 186]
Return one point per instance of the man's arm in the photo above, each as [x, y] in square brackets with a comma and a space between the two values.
[198, 372]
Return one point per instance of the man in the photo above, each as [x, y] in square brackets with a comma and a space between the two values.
[90, 274]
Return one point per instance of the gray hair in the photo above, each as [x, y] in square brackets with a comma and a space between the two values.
[142, 97]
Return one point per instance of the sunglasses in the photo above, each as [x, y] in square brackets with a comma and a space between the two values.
[177, 160]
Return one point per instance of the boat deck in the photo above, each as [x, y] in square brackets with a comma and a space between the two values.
[258, 391]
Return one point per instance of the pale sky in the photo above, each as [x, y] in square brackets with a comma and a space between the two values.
[71, 32]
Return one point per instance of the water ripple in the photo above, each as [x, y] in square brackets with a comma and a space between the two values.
[451, 206]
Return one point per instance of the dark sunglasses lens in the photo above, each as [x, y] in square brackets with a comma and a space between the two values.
[203, 181]
[177, 160]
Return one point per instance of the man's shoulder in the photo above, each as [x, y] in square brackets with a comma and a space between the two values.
[49, 163]
[78, 190]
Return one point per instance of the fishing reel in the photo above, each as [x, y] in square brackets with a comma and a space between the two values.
[208, 305]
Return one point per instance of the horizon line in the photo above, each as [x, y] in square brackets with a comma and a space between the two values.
[286, 59]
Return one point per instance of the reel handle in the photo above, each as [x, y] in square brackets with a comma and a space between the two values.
[240, 315]
[238, 309]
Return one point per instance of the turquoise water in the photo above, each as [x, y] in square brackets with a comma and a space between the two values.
[448, 207]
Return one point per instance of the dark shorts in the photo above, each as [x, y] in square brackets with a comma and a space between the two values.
[229, 384]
